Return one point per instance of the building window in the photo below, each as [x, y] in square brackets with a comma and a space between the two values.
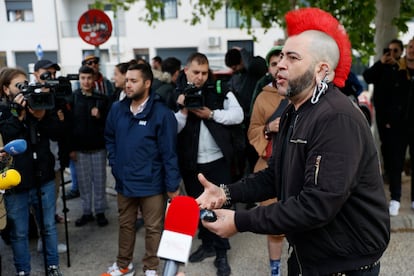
[19, 10]
[233, 18]
[169, 10]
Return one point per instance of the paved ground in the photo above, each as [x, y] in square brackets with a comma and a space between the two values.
[93, 249]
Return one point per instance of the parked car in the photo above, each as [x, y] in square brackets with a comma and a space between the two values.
[366, 106]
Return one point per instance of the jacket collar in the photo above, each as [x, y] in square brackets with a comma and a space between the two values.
[125, 106]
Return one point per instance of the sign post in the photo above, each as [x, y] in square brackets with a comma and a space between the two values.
[39, 52]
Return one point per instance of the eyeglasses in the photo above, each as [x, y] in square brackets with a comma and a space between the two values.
[394, 50]
[92, 62]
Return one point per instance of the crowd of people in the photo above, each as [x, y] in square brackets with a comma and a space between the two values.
[279, 133]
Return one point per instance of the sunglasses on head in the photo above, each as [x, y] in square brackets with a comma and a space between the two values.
[90, 62]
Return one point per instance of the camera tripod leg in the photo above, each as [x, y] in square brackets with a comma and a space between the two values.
[65, 211]
[41, 220]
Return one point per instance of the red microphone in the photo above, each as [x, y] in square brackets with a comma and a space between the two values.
[180, 226]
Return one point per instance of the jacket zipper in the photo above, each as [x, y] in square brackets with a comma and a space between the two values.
[298, 261]
[317, 165]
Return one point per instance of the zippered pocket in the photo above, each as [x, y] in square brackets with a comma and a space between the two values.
[317, 167]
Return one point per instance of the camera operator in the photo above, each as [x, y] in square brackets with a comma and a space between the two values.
[204, 143]
[35, 165]
[45, 70]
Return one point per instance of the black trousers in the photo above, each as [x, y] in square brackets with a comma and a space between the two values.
[398, 140]
[385, 143]
[217, 172]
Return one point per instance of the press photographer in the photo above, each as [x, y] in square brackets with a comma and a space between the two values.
[193, 97]
[36, 167]
[205, 143]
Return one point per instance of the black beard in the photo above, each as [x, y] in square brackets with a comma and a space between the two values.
[298, 85]
[137, 97]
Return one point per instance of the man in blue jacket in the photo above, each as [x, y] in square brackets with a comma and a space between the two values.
[141, 135]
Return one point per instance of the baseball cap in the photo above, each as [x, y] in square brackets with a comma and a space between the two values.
[89, 57]
[272, 51]
[45, 64]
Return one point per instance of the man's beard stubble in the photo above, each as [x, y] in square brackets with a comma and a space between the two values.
[299, 84]
[138, 96]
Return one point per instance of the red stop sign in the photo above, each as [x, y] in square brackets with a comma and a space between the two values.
[94, 27]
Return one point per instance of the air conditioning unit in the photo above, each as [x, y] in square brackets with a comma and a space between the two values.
[214, 41]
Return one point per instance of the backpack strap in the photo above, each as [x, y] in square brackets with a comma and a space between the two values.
[279, 110]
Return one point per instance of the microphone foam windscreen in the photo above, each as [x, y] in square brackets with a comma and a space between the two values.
[16, 147]
[9, 179]
[182, 216]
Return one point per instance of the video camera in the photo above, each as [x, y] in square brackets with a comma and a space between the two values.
[193, 96]
[59, 90]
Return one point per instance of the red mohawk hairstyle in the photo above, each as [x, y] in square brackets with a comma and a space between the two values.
[307, 19]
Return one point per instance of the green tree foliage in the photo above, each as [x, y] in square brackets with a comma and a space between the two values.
[357, 16]
[406, 14]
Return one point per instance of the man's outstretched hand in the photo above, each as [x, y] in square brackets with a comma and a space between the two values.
[213, 196]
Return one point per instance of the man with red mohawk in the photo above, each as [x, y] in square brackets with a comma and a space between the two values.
[324, 167]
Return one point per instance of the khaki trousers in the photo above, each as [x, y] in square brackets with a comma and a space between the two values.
[153, 210]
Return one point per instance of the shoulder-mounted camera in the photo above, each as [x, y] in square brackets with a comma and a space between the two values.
[59, 90]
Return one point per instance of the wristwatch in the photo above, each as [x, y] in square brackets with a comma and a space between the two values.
[210, 117]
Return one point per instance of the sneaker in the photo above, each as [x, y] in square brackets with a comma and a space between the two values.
[84, 219]
[53, 270]
[394, 207]
[101, 219]
[62, 248]
[21, 273]
[150, 272]
[275, 271]
[114, 270]
[275, 268]
[72, 195]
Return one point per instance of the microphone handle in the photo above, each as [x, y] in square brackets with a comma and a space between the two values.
[170, 268]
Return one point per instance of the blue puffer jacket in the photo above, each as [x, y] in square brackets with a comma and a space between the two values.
[142, 148]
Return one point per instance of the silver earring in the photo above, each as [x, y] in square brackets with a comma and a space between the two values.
[319, 89]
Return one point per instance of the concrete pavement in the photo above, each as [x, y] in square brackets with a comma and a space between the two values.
[93, 249]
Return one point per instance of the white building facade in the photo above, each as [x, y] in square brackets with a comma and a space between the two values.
[27, 26]
[49, 28]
